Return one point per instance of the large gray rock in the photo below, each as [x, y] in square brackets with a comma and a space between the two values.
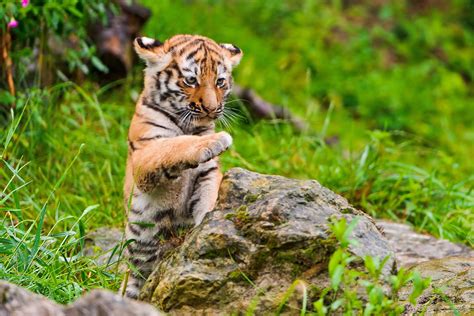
[413, 248]
[266, 231]
[16, 301]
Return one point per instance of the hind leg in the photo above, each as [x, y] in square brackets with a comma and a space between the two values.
[142, 268]
[142, 254]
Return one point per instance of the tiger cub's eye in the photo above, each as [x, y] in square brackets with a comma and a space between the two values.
[190, 81]
[220, 82]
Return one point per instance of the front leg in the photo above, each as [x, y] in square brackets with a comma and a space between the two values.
[162, 160]
[204, 190]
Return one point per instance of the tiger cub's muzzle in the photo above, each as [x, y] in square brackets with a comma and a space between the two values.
[203, 111]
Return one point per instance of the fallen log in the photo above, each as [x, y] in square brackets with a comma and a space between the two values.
[262, 109]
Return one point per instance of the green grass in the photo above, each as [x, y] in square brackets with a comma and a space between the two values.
[58, 179]
[398, 112]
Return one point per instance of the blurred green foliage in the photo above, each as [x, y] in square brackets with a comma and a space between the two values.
[44, 26]
[390, 65]
[387, 88]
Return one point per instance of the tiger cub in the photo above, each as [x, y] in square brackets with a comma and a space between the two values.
[172, 175]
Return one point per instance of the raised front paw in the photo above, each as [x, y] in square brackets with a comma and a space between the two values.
[216, 145]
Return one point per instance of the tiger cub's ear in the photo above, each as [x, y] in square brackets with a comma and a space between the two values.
[151, 51]
[233, 53]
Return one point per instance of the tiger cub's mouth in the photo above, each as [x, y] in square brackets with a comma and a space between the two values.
[203, 113]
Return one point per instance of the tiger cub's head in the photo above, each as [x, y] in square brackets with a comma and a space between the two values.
[188, 75]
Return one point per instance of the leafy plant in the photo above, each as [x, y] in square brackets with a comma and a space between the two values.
[38, 37]
[343, 296]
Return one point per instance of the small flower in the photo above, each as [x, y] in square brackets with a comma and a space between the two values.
[13, 23]
[24, 3]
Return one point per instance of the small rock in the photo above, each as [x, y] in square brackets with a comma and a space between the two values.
[16, 301]
[454, 277]
[100, 245]
[412, 248]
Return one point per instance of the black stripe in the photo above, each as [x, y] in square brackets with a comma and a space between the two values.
[193, 53]
[184, 39]
[210, 49]
[133, 249]
[164, 96]
[183, 43]
[189, 44]
[138, 261]
[169, 72]
[166, 77]
[204, 173]
[160, 214]
[134, 211]
[233, 50]
[146, 243]
[192, 205]
[132, 146]
[157, 84]
[158, 125]
[148, 46]
[177, 69]
[174, 104]
[152, 258]
[236, 50]
[166, 82]
[200, 129]
[150, 138]
[134, 229]
[130, 294]
[168, 175]
[176, 92]
[164, 112]
[200, 177]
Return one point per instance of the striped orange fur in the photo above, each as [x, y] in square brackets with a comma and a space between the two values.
[172, 173]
